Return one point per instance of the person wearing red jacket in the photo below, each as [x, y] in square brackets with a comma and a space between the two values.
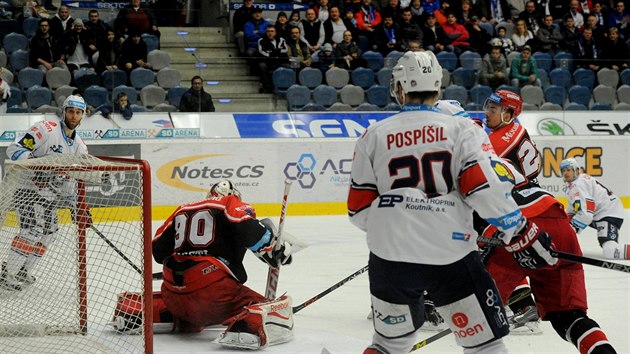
[457, 33]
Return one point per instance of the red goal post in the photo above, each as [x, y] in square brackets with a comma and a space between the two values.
[70, 306]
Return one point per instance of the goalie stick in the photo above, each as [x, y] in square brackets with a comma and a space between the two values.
[274, 273]
[448, 331]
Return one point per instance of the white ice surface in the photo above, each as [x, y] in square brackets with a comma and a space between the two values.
[338, 320]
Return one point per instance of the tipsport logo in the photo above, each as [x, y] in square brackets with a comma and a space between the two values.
[307, 170]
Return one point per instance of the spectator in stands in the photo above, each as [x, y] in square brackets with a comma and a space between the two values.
[108, 53]
[322, 10]
[620, 18]
[494, 68]
[457, 33]
[434, 37]
[574, 11]
[531, 16]
[348, 54]
[254, 30]
[418, 12]
[349, 15]
[516, 7]
[408, 30]
[97, 27]
[282, 26]
[272, 53]
[523, 70]
[385, 36]
[120, 105]
[136, 18]
[414, 46]
[598, 31]
[133, 53]
[493, 12]
[393, 9]
[326, 57]
[557, 8]
[588, 53]
[331, 30]
[367, 18]
[61, 22]
[5, 93]
[506, 43]
[298, 49]
[442, 12]
[79, 49]
[570, 35]
[615, 51]
[295, 20]
[46, 50]
[196, 99]
[549, 36]
[601, 18]
[478, 37]
[241, 16]
[521, 35]
[465, 13]
[311, 30]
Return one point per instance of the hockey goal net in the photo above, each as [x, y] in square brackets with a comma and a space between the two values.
[68, 306]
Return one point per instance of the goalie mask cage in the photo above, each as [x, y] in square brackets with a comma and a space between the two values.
[70, 306]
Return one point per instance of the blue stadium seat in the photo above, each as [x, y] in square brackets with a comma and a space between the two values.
[392, 58]
[352, 95]
[337, 77]
[95, 95]
[28, 77]
[297, 97]
[564, 60]
[625, 77]
[601, 107]
[14, 41]
[464, 77]
[470, 60]
[141, 77]
[37, 96]
[18, 60]
[89, 78]
[384, 76]
[393, 106]
[447, 60]
[378, 95]
[30, 26]
[573, 106]
[374, 60]
[543, 60]
[457, 93]
[131, 92]
[16, 97]
[310, 77]
[479, 94]
[282, 79]
[313, 107]
[174, 95]
[362, 77]
[363, 43]
[137, 108]
[561, 77]
[367, 107]
[113, 78]
[544, 78]
[17, 109]
[151, 40]
[580, 94]
[325, 95]
[8, 26]
[584, 77]
[509, 88]
[556, 94]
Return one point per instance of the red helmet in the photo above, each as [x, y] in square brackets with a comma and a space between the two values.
[509, 100]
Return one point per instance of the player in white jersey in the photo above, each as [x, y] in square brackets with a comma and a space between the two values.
[48, 192]
[416, 178]
[590, 203]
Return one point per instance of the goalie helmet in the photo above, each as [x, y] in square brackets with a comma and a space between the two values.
[222, 189]
[416, 72]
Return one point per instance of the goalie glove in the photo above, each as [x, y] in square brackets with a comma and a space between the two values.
[274, 253]
[531, 247]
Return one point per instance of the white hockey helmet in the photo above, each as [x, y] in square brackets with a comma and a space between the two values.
[452, 108]
[416, 72]
[223, 188]
[570, 163]
[74, 101]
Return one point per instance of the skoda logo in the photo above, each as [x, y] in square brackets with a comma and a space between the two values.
[553, 126]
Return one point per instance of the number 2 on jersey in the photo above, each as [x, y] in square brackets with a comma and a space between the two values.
[423, 171]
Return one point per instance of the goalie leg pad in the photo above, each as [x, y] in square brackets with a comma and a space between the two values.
[260, 325]
[128, 312]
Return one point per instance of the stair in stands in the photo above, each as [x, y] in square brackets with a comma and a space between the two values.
[228, 74]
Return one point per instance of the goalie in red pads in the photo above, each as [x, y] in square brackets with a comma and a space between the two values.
[202, 246]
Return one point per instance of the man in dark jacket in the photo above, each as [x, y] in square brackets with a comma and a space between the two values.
[196, 99]
[46, 51]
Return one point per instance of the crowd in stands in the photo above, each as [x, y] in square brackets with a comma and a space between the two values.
[508, 35]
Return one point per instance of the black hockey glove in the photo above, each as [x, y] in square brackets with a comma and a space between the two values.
[530, 248]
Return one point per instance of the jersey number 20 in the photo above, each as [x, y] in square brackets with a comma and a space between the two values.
[422, 171]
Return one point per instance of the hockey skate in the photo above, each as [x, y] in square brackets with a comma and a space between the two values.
[525, 322]
[7, 282]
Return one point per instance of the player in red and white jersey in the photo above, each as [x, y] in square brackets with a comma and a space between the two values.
[560, 291]
[590, 203]
[509, 139]
[201, 246]
[415, 178]
[42, 193]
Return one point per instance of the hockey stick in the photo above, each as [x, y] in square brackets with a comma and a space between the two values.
[329, 290]
[448, 331]
[117, 250]
[274, 273]
[568, 256]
